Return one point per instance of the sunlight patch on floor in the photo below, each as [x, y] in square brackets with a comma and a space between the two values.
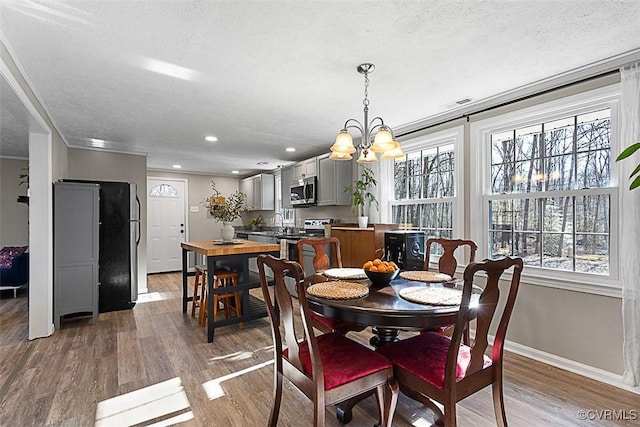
[240, 355]
[155, 296]
[162, 400]
[213, 388]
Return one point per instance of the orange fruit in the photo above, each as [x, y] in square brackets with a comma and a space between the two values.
[374, 268]
[394, 265]
[377, 262]
[367, 265]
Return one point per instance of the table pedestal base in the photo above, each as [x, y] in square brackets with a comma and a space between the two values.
[383, 336]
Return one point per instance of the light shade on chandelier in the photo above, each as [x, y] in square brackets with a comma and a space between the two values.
[376, 136]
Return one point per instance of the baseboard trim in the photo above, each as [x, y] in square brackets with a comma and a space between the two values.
[570, 365]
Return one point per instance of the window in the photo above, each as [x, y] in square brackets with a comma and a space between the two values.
[549, 192]
[426, 185]
[163, 190]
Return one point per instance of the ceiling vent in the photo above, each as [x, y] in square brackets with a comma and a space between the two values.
[458, 103]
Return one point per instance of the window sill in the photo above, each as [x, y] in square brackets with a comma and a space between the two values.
[607, 287]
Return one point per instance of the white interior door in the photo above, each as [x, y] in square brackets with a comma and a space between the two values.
[166, 227]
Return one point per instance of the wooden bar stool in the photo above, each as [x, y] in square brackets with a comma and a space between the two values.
[199, 287]
[222, 278]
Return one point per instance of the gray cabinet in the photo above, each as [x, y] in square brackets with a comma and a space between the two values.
[260, 191]
[333, 175]
[286, 178]
[305, 169]
[76, 249]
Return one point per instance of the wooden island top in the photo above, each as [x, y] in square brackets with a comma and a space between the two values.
[217, 248]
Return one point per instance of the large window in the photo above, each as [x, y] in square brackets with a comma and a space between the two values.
[549, 193]
[426, 183]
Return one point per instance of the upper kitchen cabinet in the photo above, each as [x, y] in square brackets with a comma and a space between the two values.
[286, 177]
[332, 177]
[260, 191]
[305, 169]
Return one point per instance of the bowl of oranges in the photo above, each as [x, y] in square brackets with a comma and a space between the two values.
[380, 272]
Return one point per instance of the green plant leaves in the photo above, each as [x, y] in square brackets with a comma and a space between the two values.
[635, 183]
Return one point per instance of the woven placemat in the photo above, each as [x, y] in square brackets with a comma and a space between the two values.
[425, 276]
[338, 290]
[432, 296]
[345, 273]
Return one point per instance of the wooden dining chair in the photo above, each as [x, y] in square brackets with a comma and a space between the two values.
[329, 368]
[447, 263]
[431, 366]
[321, 262]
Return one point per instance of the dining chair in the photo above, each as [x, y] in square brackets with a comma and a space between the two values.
[447, 263]
[431, 366]
[327, 368]
[321, 262]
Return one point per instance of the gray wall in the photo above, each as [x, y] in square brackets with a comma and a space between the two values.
[14, 216]
[106, 166]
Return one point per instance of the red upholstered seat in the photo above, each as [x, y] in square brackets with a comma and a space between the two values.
[425, 356]
[353, 361]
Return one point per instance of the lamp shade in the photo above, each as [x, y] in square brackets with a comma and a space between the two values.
[335, 155]
[383, 141]
[396, 153]
[367, 156]
[343, 143]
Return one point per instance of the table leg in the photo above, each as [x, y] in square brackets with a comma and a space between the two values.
[211, 266]
[185, 289]
[383, 336]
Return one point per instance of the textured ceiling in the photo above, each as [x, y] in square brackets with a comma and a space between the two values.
[265, 75]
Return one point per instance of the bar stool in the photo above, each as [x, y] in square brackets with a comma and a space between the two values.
[199, 287]
[222, 278]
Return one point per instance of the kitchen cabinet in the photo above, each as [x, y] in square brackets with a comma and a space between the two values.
[305, 169]
[359, 245]
[286, 177]
[333, 175]
[260, 192]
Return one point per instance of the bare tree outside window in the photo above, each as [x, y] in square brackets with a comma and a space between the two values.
[550, 212]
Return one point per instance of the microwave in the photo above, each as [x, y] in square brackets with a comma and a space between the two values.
[303, 192]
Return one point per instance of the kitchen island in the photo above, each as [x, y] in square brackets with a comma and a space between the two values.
[233, 256]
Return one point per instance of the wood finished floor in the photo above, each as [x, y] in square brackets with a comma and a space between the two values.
[88, 375]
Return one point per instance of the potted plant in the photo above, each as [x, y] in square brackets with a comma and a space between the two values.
[257, 223]
[361, 194]
[225, 209]
[635, 183]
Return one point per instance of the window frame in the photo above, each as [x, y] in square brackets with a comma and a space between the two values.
[455, 136]
[480, 181]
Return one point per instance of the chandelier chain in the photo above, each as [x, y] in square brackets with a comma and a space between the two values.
[365, 101]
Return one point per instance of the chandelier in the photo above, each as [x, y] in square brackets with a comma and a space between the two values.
[376, 136]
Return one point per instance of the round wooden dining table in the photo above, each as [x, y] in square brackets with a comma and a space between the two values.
[384, 309]
[387, 312]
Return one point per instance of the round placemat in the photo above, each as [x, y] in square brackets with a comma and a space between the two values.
[345, 273]
[432, 296]
[338, 290]
[425, 276]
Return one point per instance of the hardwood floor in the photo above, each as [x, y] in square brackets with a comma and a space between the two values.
[152, 366]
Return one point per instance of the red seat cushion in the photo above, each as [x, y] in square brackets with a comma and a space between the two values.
[330, 323]
[343, 360]
[425, 357]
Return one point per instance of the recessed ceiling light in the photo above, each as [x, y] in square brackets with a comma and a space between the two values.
[211, 138]
[177, 166]
[235, 172]
[290, 149]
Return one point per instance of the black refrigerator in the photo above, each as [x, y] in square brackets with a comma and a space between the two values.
[119, 237]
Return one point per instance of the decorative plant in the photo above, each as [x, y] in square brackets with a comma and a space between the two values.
[361, 191]
[257, 221]
[635, 183]
[225, 209]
